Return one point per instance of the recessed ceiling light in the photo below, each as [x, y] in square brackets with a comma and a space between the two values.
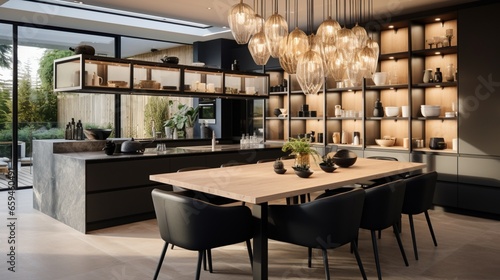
[437, 53]
[437, 19]
[391, 57]
[391, 26]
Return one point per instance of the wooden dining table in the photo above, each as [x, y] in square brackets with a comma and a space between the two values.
[258, 184]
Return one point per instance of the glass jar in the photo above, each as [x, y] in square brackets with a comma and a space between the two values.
[450, 71]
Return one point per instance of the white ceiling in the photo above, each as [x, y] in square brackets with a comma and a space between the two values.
[213, 13]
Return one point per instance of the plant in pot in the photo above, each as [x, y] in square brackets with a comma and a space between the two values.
[328, 163]
[183, 119]
[279, 167]
[301, 148]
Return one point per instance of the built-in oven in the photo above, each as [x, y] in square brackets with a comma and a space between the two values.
[207, 110]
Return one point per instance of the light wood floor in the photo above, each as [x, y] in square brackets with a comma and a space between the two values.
[469, 248]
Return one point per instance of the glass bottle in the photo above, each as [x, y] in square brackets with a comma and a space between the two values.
[378, 110]
[450, 71]
[438, 76]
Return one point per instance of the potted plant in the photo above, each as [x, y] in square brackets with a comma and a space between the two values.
[328, 163]
[301, 148]
[279, 167]
[183, 119]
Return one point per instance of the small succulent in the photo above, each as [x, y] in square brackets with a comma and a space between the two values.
[301, 167]
[278, 164]
[328, 160]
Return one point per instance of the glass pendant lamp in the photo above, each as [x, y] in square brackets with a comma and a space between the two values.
[258, 48]
[310, 73]
[327, 35]
[372, 44]
[257, 44]
[241, 20]
[336, 66]
[293, 46]
[361, 36]
[366, 58]
[275, 29]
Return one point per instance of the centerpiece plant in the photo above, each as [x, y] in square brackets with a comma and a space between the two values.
[302, 150]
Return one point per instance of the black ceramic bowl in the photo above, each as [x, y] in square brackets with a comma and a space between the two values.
[303, 173]
[344, 158]
[280, 170]
[97, 134]
[327, 169]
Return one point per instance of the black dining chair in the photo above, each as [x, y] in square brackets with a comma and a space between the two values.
[326, 223]
[381, 210]
[418, 199]
[380, 181]
[196, 225]
[210, 198]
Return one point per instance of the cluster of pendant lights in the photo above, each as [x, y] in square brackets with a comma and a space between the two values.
[346, 55]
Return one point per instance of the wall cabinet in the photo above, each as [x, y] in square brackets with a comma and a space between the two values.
[92, 74]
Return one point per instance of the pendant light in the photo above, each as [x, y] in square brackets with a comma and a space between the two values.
[372, 44]
[310, 74]
[310, 70]
[241, 20]
[275, 29]
[327, 35]
[257, 44]
[293, 46]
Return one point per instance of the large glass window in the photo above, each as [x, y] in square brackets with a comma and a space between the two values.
[48, 112]
[6, 78]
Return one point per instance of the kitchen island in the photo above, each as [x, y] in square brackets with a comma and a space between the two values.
[76, 183]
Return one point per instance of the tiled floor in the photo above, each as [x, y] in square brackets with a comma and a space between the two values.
[469, 248]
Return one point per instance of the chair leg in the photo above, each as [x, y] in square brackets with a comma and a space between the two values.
[198, 266]
[430, 227]
[398, 238]
[162, 256]
[250, 254]
[205, 260]
[354, 247]
[309, 257]
[325, 262]
[375, 253]
[413, 237]
[209, 254]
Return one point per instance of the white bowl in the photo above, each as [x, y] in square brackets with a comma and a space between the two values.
[283, 111]
[430, 110]
[391, 111]
[387, 142]
[379, 78]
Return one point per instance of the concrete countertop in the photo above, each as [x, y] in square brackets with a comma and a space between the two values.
[170, 151]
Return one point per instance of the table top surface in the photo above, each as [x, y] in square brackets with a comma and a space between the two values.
[258, 183]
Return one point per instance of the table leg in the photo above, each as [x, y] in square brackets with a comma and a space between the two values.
[260, 257]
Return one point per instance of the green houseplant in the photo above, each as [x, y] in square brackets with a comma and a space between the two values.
[328, 163]
[301, 148]
[183, 119]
